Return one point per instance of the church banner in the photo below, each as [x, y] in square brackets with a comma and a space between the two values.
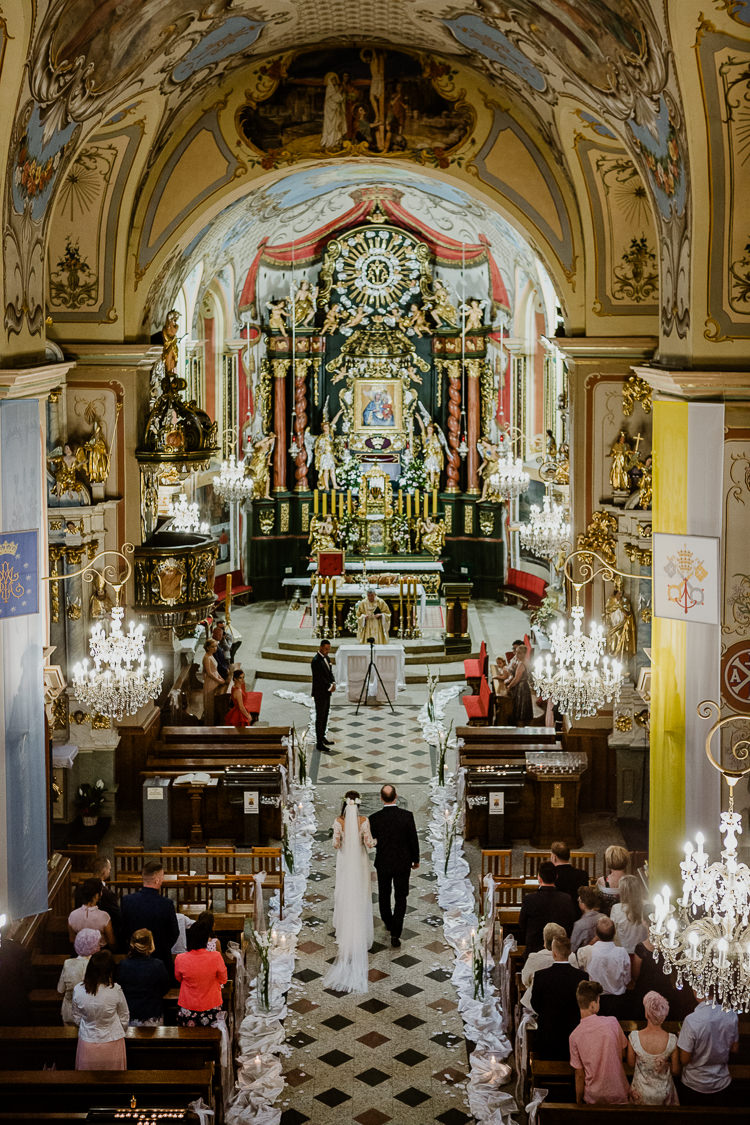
[686, 577]
[19, 573]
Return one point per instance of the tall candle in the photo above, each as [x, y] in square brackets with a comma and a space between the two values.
[408, 505]
[228, 597]
[315, 501]
[349, 501]
[325, 503]
[416, 502]
[341, 505]
[400, 502]
[434, 501]
[426, 505]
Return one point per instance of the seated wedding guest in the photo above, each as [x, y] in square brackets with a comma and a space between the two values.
[584, 930]
[707, 1038]
[567, 877]
[15, 982]
[553, 998]
[101, 1013]
[101, 869]
[74, 969]
[200, 973]
[542, 959]
[144, 980]
[628, 914]
[148, 909]
[542, 906]
[616, 859]
[90, 916]
[596, 1050]
[609, 965]
[652, 1052]
[649, 976]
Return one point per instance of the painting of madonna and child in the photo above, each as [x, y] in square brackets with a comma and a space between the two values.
[364, 99]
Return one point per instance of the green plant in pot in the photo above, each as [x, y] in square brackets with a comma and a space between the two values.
[89, 801]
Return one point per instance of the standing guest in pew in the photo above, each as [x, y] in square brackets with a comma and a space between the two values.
[222, 655]
[542, 906]
[628, 914]
[238, 714]
[649, 976]
[542, 959]
[144, 980]
[584, 930]
[101, 1013]
[596, 1050]
[200, 973]
[616, 860]
[707, 1038]
[567, 877]
[652, 1052]
[519, 688]
[101, 869]
[15, 982]
[609, 965]
[148, 909]
[86, 943]
[90, 916]
[212, 682]
[553, 998]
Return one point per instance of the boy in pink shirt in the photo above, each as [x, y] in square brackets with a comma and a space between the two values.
[596, 1050]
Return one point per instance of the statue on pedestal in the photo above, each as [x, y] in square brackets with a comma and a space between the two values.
[621, 455]
[259, 467]
[431, 535]
[442, 309]
[645, 484]
[433, 444]
[490, 454]
[323, 534]
[618, 615]
[277, 315]
[325, 460]
[303, 303]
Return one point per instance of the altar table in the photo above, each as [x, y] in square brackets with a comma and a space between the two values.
[351, 667]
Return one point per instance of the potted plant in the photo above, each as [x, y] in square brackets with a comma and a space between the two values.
[89, 801]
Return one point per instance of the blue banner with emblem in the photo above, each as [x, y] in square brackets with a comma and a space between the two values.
[19, 573]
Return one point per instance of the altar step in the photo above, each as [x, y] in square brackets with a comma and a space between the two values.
[283, 664]
[415, 651]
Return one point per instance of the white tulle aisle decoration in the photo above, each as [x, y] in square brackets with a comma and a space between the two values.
[478, 1000]
[260, 1081]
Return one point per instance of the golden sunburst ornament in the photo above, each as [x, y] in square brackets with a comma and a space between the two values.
[377, 268]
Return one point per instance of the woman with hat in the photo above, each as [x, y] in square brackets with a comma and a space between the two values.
[87, 941]
[144, 980]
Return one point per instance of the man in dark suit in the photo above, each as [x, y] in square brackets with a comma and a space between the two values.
[543, 906]
[567, 877]
[396, 854]
[323, 686]
[148, 909]
[553, 998]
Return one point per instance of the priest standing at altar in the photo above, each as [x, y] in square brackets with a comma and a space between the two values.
[373, 619]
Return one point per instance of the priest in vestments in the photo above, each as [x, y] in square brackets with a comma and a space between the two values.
[373, 619]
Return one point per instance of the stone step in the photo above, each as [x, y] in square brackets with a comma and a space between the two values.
[311, 646]
[298, 672]
[417, 656]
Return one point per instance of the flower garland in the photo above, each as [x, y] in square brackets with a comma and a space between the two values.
[468, 935]
[260, 1080]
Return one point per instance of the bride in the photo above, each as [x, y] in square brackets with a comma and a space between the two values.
[352, 903]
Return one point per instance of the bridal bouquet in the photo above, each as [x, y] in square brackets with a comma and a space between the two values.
[262, 944]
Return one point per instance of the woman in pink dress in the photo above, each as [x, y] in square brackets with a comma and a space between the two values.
[238, 714]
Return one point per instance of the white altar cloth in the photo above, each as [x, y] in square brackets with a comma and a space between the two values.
[351, 667]
[354, 590]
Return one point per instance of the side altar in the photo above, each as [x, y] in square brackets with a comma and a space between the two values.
[378, 404]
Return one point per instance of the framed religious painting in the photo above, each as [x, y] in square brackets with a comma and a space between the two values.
[378, 406]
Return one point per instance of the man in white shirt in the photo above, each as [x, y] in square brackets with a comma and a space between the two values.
[609, 965]
[707, 1038]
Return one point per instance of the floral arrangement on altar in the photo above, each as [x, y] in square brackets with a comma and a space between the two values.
[400, 534]
[349, 472]
[350, 621]
[413, 474]
[349, 532]
[89, 799]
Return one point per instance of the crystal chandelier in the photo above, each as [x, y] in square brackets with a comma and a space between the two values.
[233, 483]
[705, 937]
[581, 679]
[119, 682]
[547, 531]
[509, 477]
[185, 517]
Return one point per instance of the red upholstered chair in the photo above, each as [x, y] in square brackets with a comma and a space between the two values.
[475, 669]
[253, 702]
[478, 706]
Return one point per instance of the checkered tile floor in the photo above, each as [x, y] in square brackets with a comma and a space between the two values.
[397, 1054]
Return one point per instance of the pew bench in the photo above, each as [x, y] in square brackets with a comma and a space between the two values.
[39, 1091]
[562, 1113]
[148, 1048]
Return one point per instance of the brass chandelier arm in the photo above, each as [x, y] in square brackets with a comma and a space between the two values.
[109, 572]
[588, 570]
[233, 438]
[740, 749]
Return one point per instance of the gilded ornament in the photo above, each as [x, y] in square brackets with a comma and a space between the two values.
[640, 555]
[100, 722]
[431, 535]
[56, 525]
[645, 613]
[600, 536]
[486, 523]
[60, 707]
[469, 519]
[635, 390]
[623, 723]
[73, 610]
[645, 530]
[323, 534]
[266, 520]
[283, 518]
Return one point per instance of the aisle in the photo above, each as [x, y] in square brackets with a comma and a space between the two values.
[397, 1054]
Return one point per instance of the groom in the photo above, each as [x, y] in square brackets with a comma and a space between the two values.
[396, 854]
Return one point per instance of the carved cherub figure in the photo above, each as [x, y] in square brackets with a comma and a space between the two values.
[333, 316]
[277, 315]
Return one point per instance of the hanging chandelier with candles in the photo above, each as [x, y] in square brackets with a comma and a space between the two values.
[548, 530]
[578, 676]
[508, 475]
[233, 484]
[185, 516]
[705, 936]
[120, 681]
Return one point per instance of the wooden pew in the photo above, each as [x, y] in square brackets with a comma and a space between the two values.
[40, 1091]
[561, 1113]
[148, 1048]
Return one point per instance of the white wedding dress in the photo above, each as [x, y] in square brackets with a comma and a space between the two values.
[352, 903]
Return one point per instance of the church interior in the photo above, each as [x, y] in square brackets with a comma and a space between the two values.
[423, 330]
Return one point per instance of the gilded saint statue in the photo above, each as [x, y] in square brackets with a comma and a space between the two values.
[442, 309]
[303, 303]
[169, 341]
[68, 467]
[260, 466]
[277, 315]
[432, 448]
[373, 619]
[325, 461]
[488, 471]
[645, 485]
[431, 535]
[618, 615]
[323, 534]
[621, 456]
[97, 455]
[100, 603]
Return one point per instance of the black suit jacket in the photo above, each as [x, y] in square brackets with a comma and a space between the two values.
[569, 878]
[397, 840]
[553, 998]
[322, 675]
[150, 910]
[543, 906]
